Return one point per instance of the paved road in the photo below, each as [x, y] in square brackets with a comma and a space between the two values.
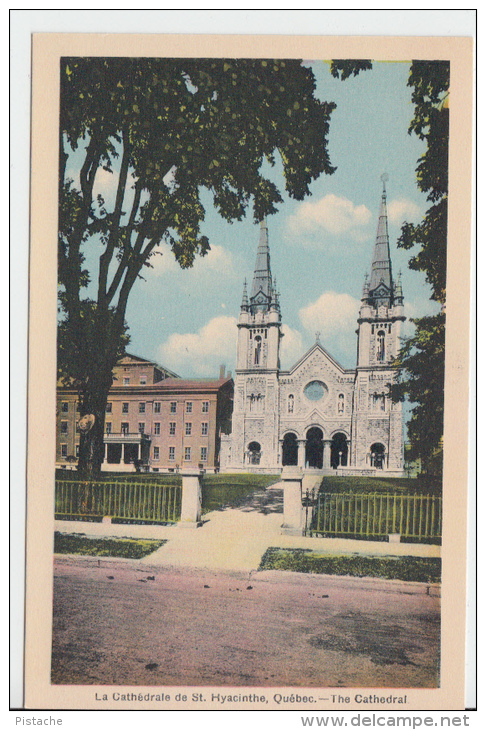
[133, 624]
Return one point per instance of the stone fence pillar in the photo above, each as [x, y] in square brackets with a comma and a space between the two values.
[292, 481]
[191, 498]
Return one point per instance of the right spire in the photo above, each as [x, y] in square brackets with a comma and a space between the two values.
[380, 286]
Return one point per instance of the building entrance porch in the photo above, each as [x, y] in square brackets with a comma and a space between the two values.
[315, 452]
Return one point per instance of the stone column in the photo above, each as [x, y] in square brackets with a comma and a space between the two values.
[191, 498]
[292, 479]
[301, 453]
[326, 457]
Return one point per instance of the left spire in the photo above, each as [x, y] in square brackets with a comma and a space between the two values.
[262, 289]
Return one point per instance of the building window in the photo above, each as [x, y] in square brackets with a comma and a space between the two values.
[290, 404]
[187, 453]
[188, 429]
[157, 429]
[64, 450]
[141, 407]
[109, 407]
[141, 427]
[380, 356]
[189, 406]
[156, 407]
[143, 380]
[205, 406]
[126, 381]
[64, 407]
[341, 403]
[156, 453]
[204, 429]
[124, 428]
[171, 453]
[124, 407]
[257, 351]
[77, 451]
[172, 428]
[64, 426]
[173, 407]
[108, 426]
[204, 453]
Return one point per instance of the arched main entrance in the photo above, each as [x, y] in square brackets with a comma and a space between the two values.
[377, 455]
[314, 447]
[254, 452]
[339, 450]
[290, 450]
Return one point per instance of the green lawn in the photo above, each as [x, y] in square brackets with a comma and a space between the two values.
[389, 485]
[231, 490]
[103, 547]
[406, 568]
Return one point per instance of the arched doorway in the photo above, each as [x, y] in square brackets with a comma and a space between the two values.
[339, 450]
[377, 455]
[314, 447]
[255, 453]
[290, 450]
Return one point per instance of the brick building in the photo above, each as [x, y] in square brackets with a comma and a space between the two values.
[154, 417]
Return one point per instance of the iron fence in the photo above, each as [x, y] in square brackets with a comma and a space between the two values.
[373, 516]
[125, 500]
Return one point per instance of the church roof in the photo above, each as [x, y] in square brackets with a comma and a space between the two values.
[317, 346]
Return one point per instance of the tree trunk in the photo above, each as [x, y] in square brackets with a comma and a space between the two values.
[91, 446]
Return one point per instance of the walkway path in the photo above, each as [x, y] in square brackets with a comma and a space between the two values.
[235, 540]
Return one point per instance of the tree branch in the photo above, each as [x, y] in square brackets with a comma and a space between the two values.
[107, 255]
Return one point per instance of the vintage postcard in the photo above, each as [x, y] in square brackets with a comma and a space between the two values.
[248, 372]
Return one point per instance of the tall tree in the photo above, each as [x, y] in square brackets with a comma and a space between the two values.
[165, 129]
[421, 361]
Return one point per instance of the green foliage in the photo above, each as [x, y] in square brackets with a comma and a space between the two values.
[104, 547]
[347, 68]
[421, 360]
[165, 129]
[422, 382]
[406, 568]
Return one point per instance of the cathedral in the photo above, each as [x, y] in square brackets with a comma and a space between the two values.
[318, 415]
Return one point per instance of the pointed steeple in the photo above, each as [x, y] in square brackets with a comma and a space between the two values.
[380, 287]
[244, 299]
[366, 287]
[398, 289]
[261, 291]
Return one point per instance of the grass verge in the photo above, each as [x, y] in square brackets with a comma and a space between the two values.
[103, 547]
[406, 568]
[389, 485]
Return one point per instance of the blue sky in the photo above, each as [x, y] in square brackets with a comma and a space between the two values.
[320, 248]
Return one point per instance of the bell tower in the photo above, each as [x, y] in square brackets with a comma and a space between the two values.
[377, 439]
[255, 412]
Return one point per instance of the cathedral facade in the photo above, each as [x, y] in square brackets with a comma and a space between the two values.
[318, 415]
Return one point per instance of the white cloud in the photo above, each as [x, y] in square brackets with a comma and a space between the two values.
[334, 317]
[218, 260]
[331, 313]
[204, 351]
[401, 210]
[292, 347]
[333, 215]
